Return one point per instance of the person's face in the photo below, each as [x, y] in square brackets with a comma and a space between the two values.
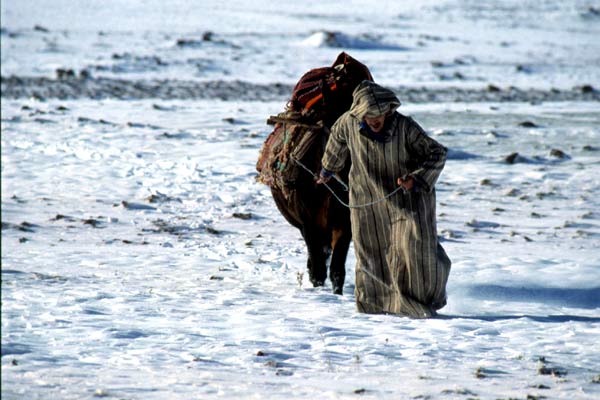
[375, 123]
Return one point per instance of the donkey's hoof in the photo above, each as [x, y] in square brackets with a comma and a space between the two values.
[317, 283]
[338, 290]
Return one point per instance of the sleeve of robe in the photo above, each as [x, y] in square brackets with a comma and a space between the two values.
[336, 151]
[431, 154]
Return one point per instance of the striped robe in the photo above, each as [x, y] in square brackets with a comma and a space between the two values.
[401, 268]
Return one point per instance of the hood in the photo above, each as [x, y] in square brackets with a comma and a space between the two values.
[372, 100]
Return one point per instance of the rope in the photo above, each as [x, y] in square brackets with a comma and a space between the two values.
[399, 188]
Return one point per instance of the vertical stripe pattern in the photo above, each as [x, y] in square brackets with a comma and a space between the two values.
[401, 268]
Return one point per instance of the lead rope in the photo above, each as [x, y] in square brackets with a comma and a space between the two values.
[399, 188]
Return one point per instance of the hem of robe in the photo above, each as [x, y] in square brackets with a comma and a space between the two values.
[405, 307]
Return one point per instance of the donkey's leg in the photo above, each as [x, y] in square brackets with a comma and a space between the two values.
[317, 255]
[337, 270]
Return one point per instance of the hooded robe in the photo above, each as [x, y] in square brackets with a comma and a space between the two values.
[401, 267]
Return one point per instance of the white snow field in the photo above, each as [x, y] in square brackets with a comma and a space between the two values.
[141, 259]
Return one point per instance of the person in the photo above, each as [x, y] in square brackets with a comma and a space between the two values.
[401, 268]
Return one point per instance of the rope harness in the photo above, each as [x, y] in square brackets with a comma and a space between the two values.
[399, 188]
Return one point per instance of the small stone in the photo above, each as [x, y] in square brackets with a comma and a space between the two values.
[513, 192]
[558, 153]
[91, 221]
[543, 370]
[244, 216]
[540, 386]
[84, 74]
[511, 158]
[40, 28]
[528, 124]
[212, 230]
[534, 397]
[63, 73]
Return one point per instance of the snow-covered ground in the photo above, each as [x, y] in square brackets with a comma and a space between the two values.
[141, 260]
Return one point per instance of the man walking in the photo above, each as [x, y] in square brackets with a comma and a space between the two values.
[401, 267]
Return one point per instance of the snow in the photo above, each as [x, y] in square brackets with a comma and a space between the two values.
[141, 259]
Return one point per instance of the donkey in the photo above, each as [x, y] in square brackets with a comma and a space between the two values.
[290, 160]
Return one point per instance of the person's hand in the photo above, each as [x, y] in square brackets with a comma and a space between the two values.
[324, 176]
[323, 179]
[406, 182]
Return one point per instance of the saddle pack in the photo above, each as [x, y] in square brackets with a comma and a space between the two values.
[319, 98]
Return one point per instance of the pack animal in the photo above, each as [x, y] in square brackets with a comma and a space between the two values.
[295, 147]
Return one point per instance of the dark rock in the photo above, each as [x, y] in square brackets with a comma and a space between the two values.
[528, 124]
[60, 217]
[479, 373]
[23, 226]
[212, 230]
[91, 221]
[511, 158]
[558, 153]
[493, 88]
[161, 198]
[39, 28]
[540, 386]
[556, 372]
[513, 192]
[591, 12]
[62, 73]
[244, 216]
[85, 74]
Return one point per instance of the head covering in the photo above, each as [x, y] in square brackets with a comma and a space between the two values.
[371, 100]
